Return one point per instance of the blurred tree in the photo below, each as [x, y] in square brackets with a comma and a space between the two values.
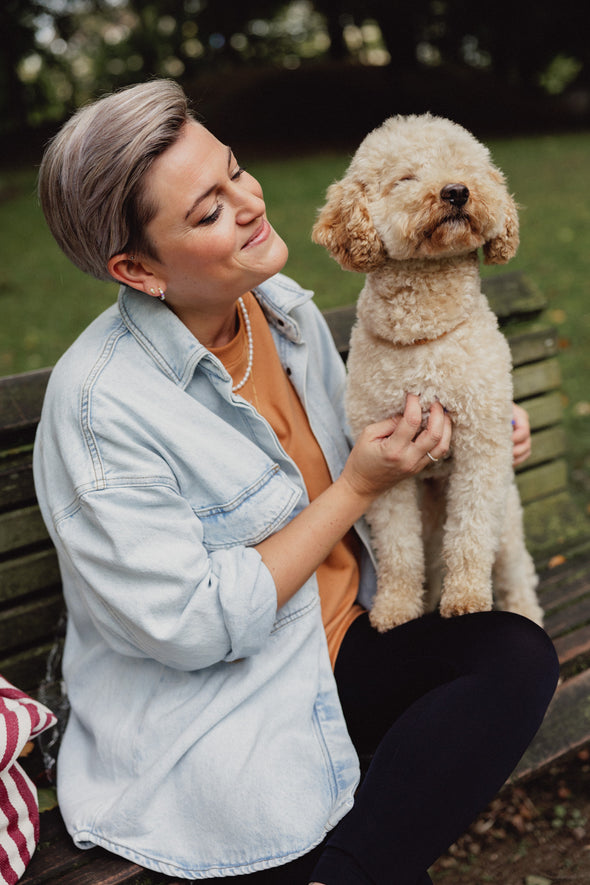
[57, 53]
[518, 39]
[17, 25]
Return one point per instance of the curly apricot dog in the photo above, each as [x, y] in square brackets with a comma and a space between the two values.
[418, 200]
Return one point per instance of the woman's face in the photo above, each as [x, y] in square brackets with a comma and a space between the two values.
[210, 231]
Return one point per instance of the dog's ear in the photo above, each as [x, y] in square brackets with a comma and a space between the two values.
[503, 247]
[345, 229]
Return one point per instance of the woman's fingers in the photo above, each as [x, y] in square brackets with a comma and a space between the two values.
[521, 435]
[410, 444]
[390, 450]
[435, 440]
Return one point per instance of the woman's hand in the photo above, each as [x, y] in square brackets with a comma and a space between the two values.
[395, 449]
[384, 454]
[521, 435]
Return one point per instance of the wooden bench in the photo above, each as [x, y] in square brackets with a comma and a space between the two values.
[31, 604]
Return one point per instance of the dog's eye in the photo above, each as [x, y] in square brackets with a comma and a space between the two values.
[407, 178]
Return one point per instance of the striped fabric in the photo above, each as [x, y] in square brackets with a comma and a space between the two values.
[21, 718]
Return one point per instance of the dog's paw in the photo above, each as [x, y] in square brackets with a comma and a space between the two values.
[454, 609]
[390, 613]
[465, 601]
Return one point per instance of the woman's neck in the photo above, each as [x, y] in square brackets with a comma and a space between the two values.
[212, 329]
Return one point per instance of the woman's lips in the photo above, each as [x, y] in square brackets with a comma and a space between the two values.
[259, 236]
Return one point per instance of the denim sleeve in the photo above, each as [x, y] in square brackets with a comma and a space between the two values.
[140, 573]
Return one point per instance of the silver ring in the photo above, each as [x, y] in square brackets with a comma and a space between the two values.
[432, 458]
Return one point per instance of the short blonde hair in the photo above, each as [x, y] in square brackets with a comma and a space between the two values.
[92, 176]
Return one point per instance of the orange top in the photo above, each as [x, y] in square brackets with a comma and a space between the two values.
[271, 393]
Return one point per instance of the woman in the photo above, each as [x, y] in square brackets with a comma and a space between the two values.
[193, 468]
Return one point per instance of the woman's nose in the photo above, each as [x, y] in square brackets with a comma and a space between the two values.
[250, 203]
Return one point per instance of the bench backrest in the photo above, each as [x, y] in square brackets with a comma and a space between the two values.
[30, 588]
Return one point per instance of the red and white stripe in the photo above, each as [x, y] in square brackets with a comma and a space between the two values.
[21, 718]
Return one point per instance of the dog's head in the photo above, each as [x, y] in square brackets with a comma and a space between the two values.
[418, 187]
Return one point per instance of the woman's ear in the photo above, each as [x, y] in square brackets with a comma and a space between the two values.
[503, 247]
[133, 272]
[344, 227]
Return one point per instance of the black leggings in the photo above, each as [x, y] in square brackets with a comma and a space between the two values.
[447, 707]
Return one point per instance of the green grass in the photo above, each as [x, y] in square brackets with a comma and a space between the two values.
[46, 302]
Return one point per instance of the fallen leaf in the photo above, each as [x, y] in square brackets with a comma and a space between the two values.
[483, 826]
[556, 560]
[47, 798]
[537, 880]
[26, 750]
[518, 824]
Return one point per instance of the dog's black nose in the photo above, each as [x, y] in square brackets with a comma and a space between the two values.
[455, 194]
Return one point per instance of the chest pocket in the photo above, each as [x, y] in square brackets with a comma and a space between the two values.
[253, 514]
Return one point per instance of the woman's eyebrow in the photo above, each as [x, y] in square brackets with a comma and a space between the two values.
[210, 190]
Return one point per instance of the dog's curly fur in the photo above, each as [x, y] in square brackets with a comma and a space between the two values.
[418, 200]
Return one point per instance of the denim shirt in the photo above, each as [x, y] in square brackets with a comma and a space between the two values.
[205, 737]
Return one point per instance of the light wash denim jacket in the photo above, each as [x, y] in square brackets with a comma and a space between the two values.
[205, 737]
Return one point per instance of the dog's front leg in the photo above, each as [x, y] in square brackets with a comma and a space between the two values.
[396, 528]
[476, 501]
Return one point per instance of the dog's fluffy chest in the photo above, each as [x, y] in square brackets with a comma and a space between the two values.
[459, 368]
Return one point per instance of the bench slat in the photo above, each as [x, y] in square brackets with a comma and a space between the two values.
[26, 624]
[28, 574]
[21, 398]
[542, 481]
[537, 343]
[535, 378]
[572, 583]
[554, 523]
[573, 646]
[548, 444]
[21, 528]
[512, 293]
[16, 480]
[27, 668]
[544, 410]
[565, 619]
[58, 860]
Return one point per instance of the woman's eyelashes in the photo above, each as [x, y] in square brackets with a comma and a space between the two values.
[214, 215]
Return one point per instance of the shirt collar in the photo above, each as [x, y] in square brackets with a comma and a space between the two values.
[176, 350]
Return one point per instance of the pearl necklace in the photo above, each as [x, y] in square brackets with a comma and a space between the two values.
[250, 346]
